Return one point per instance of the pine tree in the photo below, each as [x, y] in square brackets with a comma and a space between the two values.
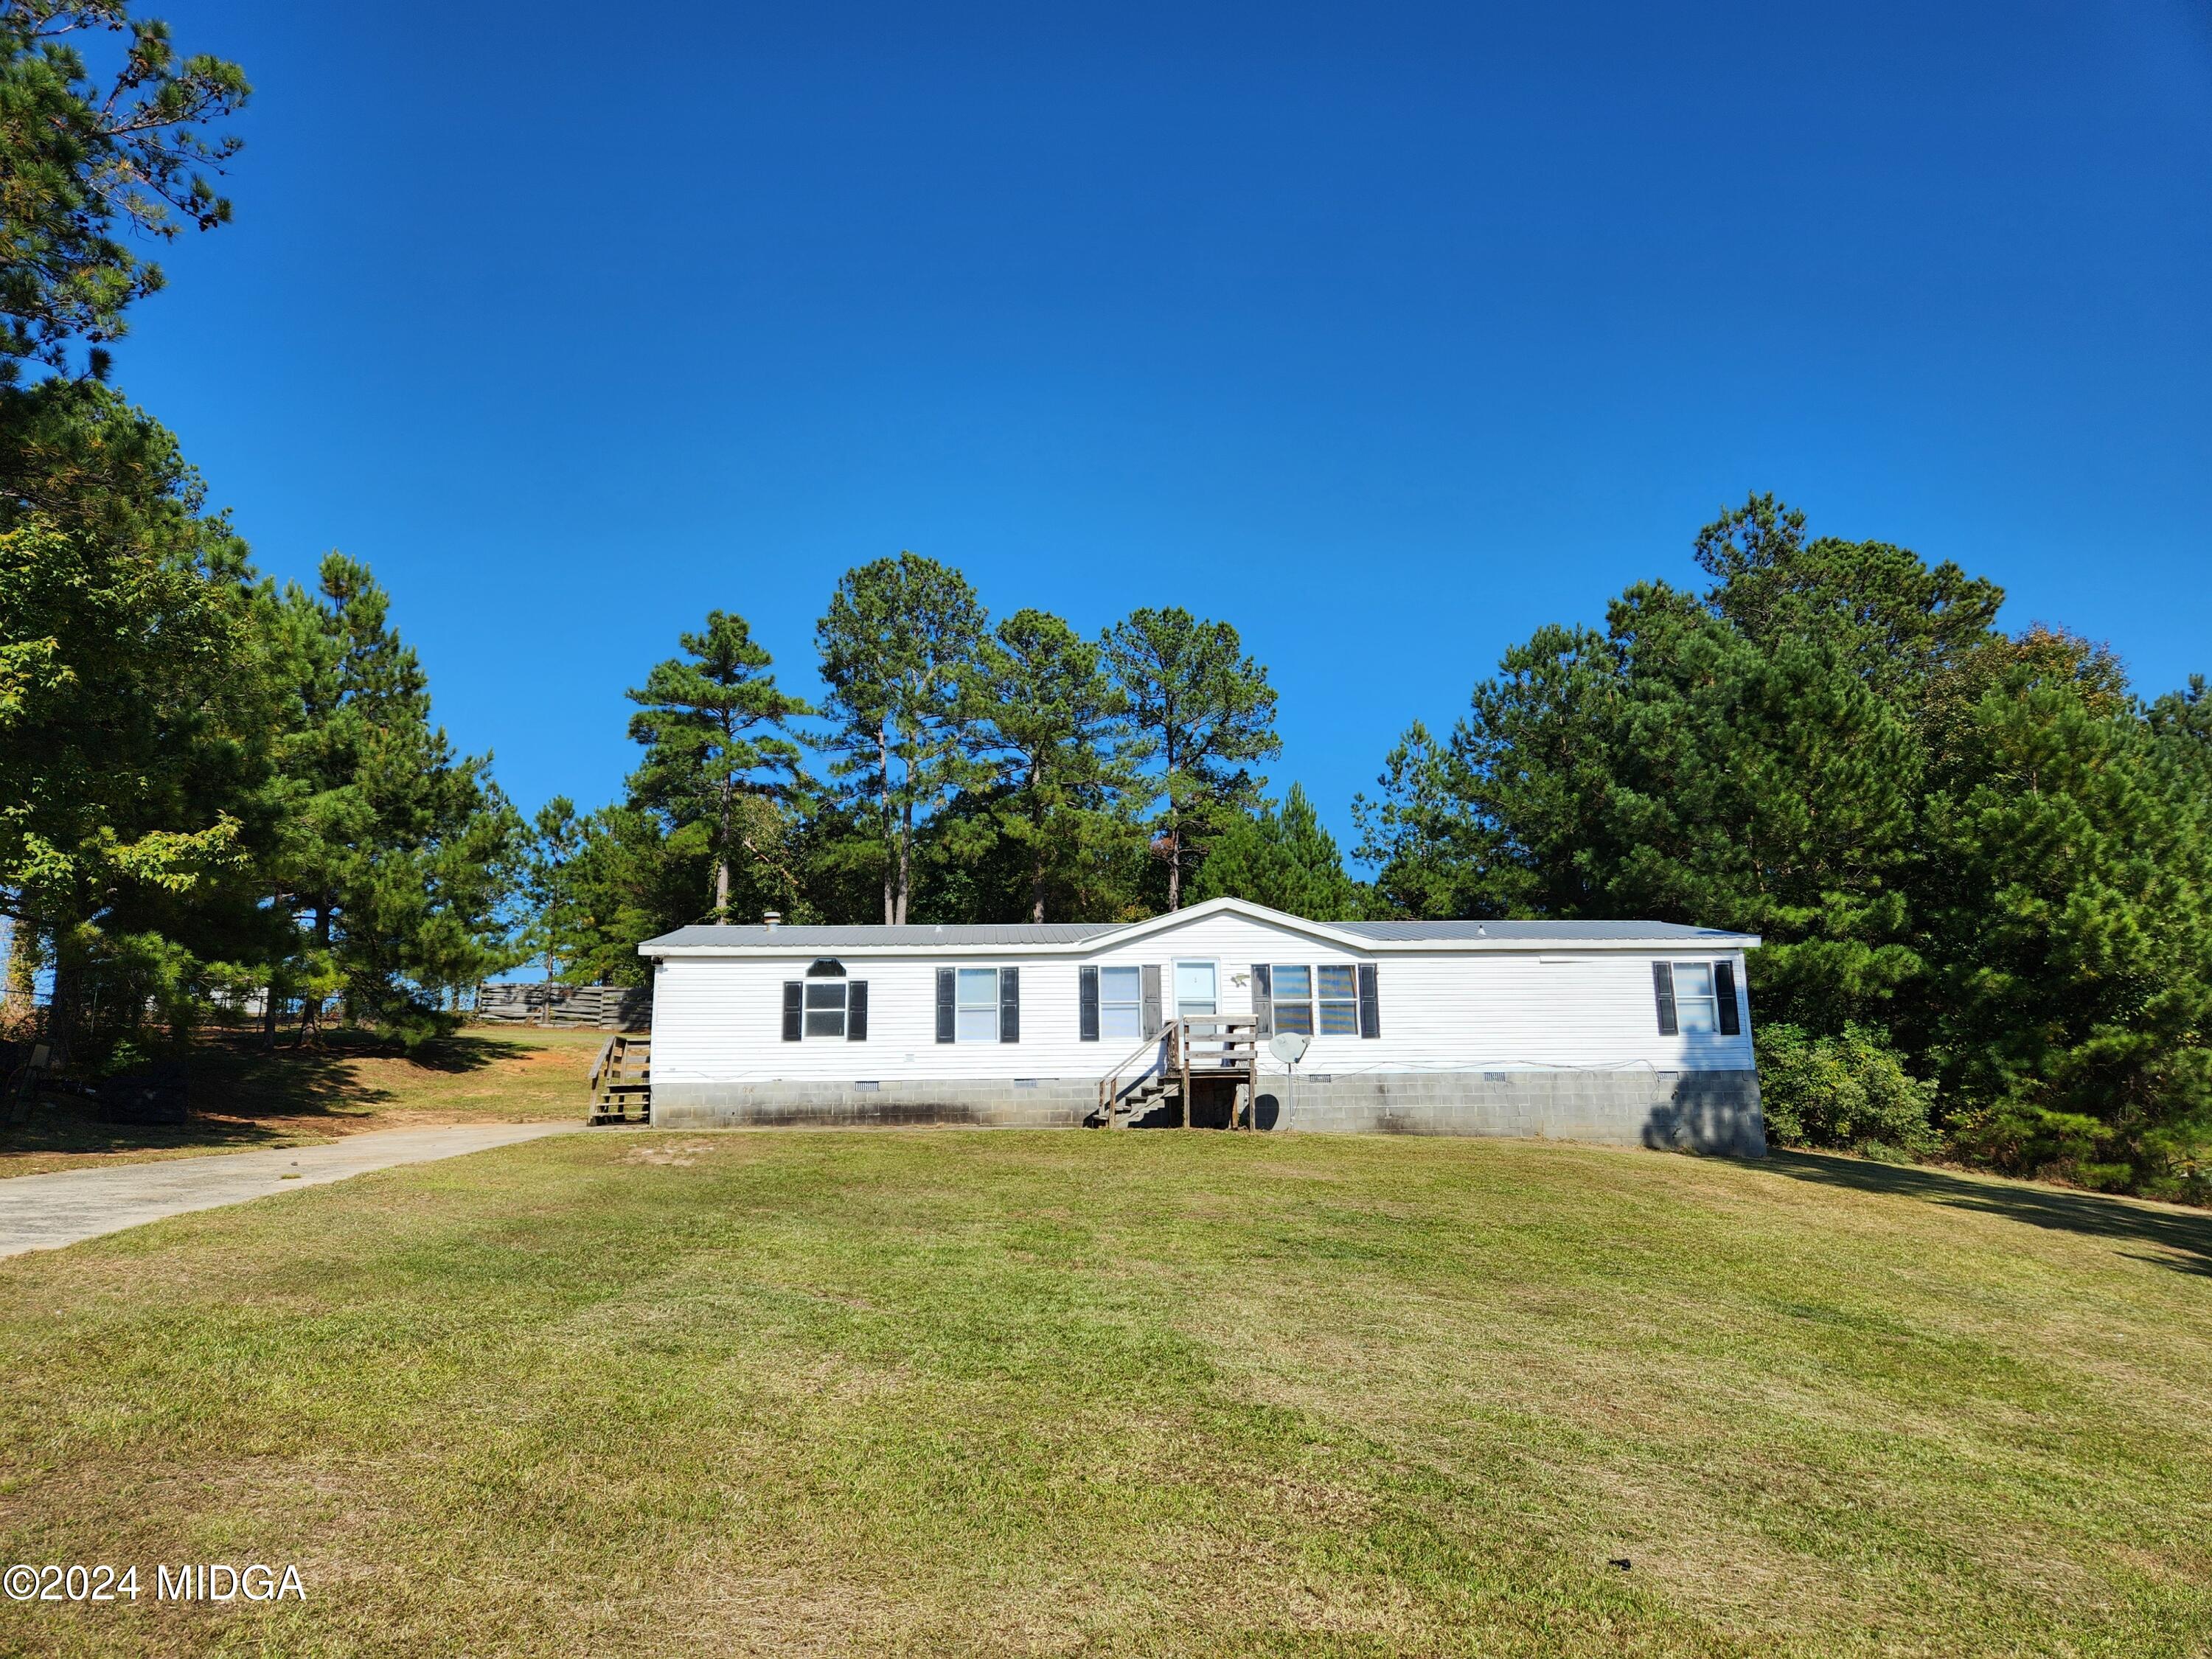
[1202, 710]
[1972, 852]
[1053, 726]
[717, 732]
[1285, 859]
[898, 648]
[85, 163]
[404, 855]
[2069, 910]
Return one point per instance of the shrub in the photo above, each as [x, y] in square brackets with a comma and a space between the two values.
[1850, 1091]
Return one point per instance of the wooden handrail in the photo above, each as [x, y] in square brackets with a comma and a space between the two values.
[1108, 1089]
[1233, 1042]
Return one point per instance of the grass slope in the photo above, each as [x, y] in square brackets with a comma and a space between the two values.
[245, 1096]
[955, 1392]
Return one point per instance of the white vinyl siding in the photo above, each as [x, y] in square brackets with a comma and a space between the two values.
[1557, 1008]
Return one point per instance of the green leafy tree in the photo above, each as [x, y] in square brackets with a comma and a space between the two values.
[84, 163]
[1202, 711]
[717, 732]
[1053, 726]
[1287, 860]
[115, 663]
[1849, 1089]
[899, 646]
[137, 698]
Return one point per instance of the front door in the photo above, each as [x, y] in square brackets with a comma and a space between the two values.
[1196, 991]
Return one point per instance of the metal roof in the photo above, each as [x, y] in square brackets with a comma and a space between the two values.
[753, 936]
[1534, 932]
[798, 940]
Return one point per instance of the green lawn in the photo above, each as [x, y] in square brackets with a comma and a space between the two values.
[243, 1096]
[953, 1392]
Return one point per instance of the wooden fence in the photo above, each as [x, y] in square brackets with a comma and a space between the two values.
[602, 1008]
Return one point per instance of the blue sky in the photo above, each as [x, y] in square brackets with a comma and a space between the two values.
[1385, 332]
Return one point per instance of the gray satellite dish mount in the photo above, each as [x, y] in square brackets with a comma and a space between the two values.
[1289, 1048]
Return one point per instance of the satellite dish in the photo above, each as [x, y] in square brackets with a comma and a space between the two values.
[1289, 1047]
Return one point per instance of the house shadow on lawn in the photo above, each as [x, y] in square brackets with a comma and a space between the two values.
[2183, 1237]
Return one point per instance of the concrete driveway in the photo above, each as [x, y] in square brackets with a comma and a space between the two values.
[46, 1212]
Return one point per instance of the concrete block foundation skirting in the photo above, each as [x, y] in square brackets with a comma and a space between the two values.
[1687, 1111]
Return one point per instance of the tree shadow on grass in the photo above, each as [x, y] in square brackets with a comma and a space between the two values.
[289, 1080]
[244, 1095]
[2184, 1236]
[57, 1126]
[463, 1051]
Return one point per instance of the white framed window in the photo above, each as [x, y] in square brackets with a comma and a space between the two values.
[975, 1006]
[1312, 1001]
[1696, 1007]
[1121, 1003]
[826, 1008]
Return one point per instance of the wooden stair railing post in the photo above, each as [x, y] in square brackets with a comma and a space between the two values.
[1182, 1060]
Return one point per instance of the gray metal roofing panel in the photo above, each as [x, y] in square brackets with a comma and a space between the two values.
[796, 937]
[800, 938]
[1535, 932]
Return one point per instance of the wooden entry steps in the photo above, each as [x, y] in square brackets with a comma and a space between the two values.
[622, 1081]
[1193, 1049]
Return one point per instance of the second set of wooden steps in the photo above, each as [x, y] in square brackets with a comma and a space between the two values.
[622, 1081]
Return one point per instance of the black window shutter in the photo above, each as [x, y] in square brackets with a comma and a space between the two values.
[794, 1001]
[1086, 1005]
[1663, 986]
[856, 1011]
[944, 1005]
[1009, 1005]
[1725, 991]
[1263, 999]
[1152, 980]
[1370, 1002]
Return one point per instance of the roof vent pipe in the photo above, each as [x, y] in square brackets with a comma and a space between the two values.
[770, 918]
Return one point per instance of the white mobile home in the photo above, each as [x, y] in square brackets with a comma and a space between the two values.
[1631, 1032]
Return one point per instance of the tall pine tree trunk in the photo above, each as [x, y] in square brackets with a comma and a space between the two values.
[905, 860]
[1174, 823]
[722, 860]
[1036, 842]
[890, 821]
[311, 1005]
[22, 972]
